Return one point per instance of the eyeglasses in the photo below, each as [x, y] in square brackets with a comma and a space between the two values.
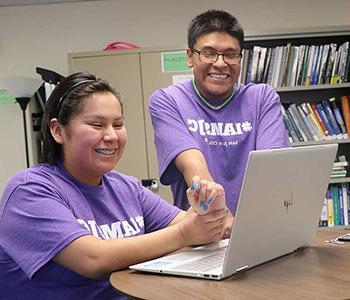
[209, 56]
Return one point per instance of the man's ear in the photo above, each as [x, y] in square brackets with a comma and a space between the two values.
[189, 57]
[56, 131]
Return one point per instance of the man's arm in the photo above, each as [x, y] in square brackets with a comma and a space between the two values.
[190, 163]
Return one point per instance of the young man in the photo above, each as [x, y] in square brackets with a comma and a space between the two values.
[208, 126]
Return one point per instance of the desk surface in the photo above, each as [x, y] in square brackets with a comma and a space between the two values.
[321, 271]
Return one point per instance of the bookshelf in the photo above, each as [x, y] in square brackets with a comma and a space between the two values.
[309, 66]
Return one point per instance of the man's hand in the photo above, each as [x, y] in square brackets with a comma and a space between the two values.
[206, 196]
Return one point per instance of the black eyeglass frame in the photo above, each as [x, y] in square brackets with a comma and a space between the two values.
[239, 57]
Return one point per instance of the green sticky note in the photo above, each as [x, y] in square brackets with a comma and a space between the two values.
[6, 98]
[174, 61]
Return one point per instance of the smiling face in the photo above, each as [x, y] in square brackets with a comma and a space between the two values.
[94, 139]
[215, 80]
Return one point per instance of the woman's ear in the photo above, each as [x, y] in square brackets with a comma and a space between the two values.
[56, 131]
[189, 57]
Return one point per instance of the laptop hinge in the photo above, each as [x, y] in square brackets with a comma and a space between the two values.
[242, 268]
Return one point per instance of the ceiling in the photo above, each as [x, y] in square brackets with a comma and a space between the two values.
[36, 2]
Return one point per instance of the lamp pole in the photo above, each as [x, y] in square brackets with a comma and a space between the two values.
[23, 102]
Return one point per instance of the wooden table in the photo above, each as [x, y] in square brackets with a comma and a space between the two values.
[321, 271]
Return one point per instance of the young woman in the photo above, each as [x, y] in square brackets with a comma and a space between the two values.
[67, 223]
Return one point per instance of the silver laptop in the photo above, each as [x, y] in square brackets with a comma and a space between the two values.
[278, 211]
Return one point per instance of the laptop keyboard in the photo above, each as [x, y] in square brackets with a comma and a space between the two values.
[205, 263]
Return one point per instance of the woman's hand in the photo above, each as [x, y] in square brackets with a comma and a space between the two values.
[202, 229]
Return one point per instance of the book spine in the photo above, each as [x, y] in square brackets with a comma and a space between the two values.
[299, 122]
[319, 119]
[316, 69]
[335, 205]
[315, 122]
[255, 62]
[345, 203]
[310, 65]
[325, 120]
[345, 105]
[331, 117]
[335, 71]
[330, 209]
[307, 124]
[341, 205]
[342, 62]
[324, 214]
[296, 129]
[289, 126]
[333, 49]
[338, 117]
[323, 65]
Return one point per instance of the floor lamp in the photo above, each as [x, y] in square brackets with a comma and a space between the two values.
[22, 89]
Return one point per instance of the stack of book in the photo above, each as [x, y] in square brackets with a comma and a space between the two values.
[336, 206]
[324, 120]
[339, 169]
[294, 65]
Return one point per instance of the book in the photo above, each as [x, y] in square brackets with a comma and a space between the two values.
[332, 51]
[324, 214]
[301, 64]
[249, 66]
[289, 126]
[345, 105]
[341, 205]
[277, 66]
[323, 64]
[320, 122]
[331, 117]
[330, 209]
[286, 64]
[315, 121]
[342, 62]
[294, 66]
[325, 120]
[267, 65]
[335, 70]
[344, 189]
[316, 67]
[312, 51]
[261, 65]
[309, 127]
[245, 60]
[271, 66]
[340, 163]
[254, 63]
[338, 117]
[334, 191]
[300, 137]
[301, 81]
[300, 123]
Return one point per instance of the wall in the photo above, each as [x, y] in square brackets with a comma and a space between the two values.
[42, 35]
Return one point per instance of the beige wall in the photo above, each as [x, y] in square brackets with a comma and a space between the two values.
[42, 35]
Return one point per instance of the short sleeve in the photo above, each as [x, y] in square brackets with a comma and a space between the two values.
[157, 213]
[36, 224]
[171, 135]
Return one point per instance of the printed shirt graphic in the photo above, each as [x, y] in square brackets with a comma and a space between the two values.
[43, 209]
[251, 121]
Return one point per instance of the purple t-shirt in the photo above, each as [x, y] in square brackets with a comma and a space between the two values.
[43, 209]
[181, 121]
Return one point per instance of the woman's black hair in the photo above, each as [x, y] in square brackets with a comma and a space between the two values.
[66, 101]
